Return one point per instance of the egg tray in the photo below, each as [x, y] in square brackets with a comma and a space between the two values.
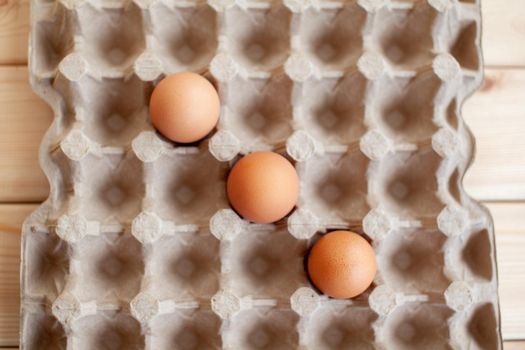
[136, 246]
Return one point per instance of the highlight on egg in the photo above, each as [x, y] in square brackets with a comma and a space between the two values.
[263, 187]
[342, 264]
[184, 107]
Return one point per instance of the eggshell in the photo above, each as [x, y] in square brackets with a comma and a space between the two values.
[342, 264]
[184, 107]
[263, 187]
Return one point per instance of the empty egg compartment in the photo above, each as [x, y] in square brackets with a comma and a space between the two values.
[185, 330]
[332, 109]
[42, 330]
[452, 114]
[412, 260]
[112, 37]
[183, 267]
[109, 188]
[464, 48]
[404, 107]
[52, 37]
[416, 326]
[334, 188]
[264, 263]
[262, 328]
[405, 184]
[64, 172]
[62, 92]
[477, 254]
[469, 256]
[258, 111]
[108, 111]
[337, 327]
[183, 36]
[112, 330]
[404, 34]
[464, 37]
[258, 37]
[483, 327]
[186, 188]
[48, 265]
[332, 37]
[107, 268]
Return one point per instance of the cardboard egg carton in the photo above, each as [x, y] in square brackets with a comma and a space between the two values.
[136, 246]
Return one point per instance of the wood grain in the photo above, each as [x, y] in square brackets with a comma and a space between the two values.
[509, 220]
[496, 115]
[14, 29]
[11, 218]
[514, 345]
[503, 32]
[24, 118]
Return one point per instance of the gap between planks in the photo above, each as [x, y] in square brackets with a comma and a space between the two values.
[510, 245]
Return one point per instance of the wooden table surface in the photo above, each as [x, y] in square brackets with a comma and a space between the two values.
[496, 115]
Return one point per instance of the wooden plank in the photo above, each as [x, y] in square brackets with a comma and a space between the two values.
[11, 218]
[514, 345]
[510, 239]
[14, 29]
[509, 220]
[496, 116]
[503, 32]
[24, 118]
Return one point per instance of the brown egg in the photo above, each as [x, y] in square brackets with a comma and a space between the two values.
[184, 107]
[342, 264]
[263, 187]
